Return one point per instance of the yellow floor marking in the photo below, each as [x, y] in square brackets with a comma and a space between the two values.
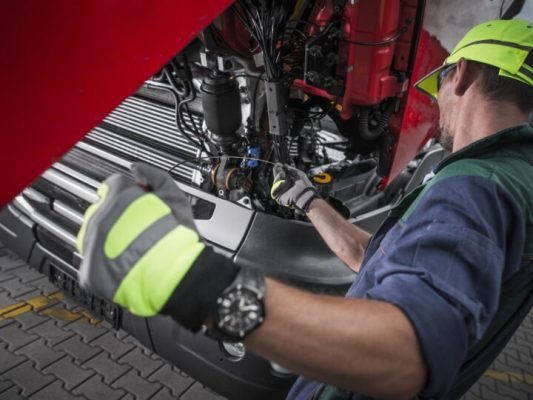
[22, 310]
[57, 295]
[90, 317]
[509, 376]
[41, 301]
[36, 304]
[10, 308]
[62, 314]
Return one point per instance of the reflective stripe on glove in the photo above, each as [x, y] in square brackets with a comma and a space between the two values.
[291, 188]
[141, 250]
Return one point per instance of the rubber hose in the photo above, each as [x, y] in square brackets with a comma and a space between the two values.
[364, 128]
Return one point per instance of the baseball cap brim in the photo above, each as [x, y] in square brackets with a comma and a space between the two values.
[429, 83]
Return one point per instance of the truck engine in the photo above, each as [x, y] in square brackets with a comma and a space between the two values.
[275, 82]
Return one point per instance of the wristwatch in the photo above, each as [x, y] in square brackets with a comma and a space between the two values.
[240, 308]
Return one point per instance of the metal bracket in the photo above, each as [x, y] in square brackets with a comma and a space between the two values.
[277, 108]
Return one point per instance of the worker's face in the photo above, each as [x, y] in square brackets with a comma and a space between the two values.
[446, 108]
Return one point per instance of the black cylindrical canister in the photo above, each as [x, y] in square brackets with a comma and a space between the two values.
[222, 108]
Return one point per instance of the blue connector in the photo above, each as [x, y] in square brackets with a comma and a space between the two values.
[253, 152]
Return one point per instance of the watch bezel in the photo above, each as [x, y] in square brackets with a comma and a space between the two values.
[250, 283]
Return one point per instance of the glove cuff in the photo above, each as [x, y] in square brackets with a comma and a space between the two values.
[305, 198]
[196, 296]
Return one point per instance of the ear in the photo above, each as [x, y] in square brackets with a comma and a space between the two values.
[463, 77]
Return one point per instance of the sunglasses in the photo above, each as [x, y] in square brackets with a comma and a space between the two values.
[442, 74]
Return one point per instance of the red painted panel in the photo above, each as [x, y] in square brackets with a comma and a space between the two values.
[369, 80]
[417, 122]
[66, 64]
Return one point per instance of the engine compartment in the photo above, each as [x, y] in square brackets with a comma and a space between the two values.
[294, 82]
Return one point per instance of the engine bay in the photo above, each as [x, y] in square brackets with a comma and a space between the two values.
[293, 82]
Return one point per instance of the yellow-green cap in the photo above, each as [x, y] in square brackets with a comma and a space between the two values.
[506, 44]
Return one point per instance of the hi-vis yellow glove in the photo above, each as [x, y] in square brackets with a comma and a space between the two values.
[291, 188]
[141, 250]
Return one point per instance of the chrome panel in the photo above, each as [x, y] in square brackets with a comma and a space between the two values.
[50, 226]
[104, 154]
[70, 185]
[77, 175]
[67, 212]
[133, 149]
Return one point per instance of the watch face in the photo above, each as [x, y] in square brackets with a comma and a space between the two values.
[239, 312]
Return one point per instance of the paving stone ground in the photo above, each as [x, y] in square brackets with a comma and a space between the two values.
[51, 348]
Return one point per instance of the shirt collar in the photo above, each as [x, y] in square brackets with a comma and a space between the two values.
[521, 133]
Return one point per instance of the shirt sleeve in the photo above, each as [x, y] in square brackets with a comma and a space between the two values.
[444, 266]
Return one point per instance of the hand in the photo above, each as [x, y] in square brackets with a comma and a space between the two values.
[141, 250]
[291, 188]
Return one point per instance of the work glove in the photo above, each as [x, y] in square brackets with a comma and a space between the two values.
[291, 188]
[141, 250]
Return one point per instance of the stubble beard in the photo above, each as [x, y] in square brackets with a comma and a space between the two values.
[446, 138]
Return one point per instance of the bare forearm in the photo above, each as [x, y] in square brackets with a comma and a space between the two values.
[346, 240]
[365, 346]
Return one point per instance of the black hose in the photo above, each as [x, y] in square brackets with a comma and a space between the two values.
[368, 133]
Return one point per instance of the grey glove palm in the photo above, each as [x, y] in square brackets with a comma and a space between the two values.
[291, 188]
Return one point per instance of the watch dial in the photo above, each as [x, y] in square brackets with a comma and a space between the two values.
[239, 312]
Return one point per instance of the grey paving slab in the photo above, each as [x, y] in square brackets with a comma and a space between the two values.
[68, 372]
[43, 284]
[4, 385]
[199, 392]
[15, 287]
[113, 345]
[95, 389]
[55, 391]
[28, 378]
[26, 274]
[16, 337]
[52, 333]
[163, 394]
[78, 349]
[141, 362]
[9, 260]
[173, 379]
[30, 320]
[41, 354]
[108, 368]
[7, 275]
[9, 360]
[134, 383]
[86, 331]
[13, 393]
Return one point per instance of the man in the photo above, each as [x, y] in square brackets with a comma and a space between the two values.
[430, 306]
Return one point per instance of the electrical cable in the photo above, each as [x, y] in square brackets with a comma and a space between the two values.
[254, 99]
[180, 121]
[196, 159]
[380, 43]
[266, 22]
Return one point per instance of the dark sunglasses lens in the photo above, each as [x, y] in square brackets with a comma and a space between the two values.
[442, 74]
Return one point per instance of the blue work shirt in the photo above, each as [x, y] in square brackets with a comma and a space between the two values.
[448, 251]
